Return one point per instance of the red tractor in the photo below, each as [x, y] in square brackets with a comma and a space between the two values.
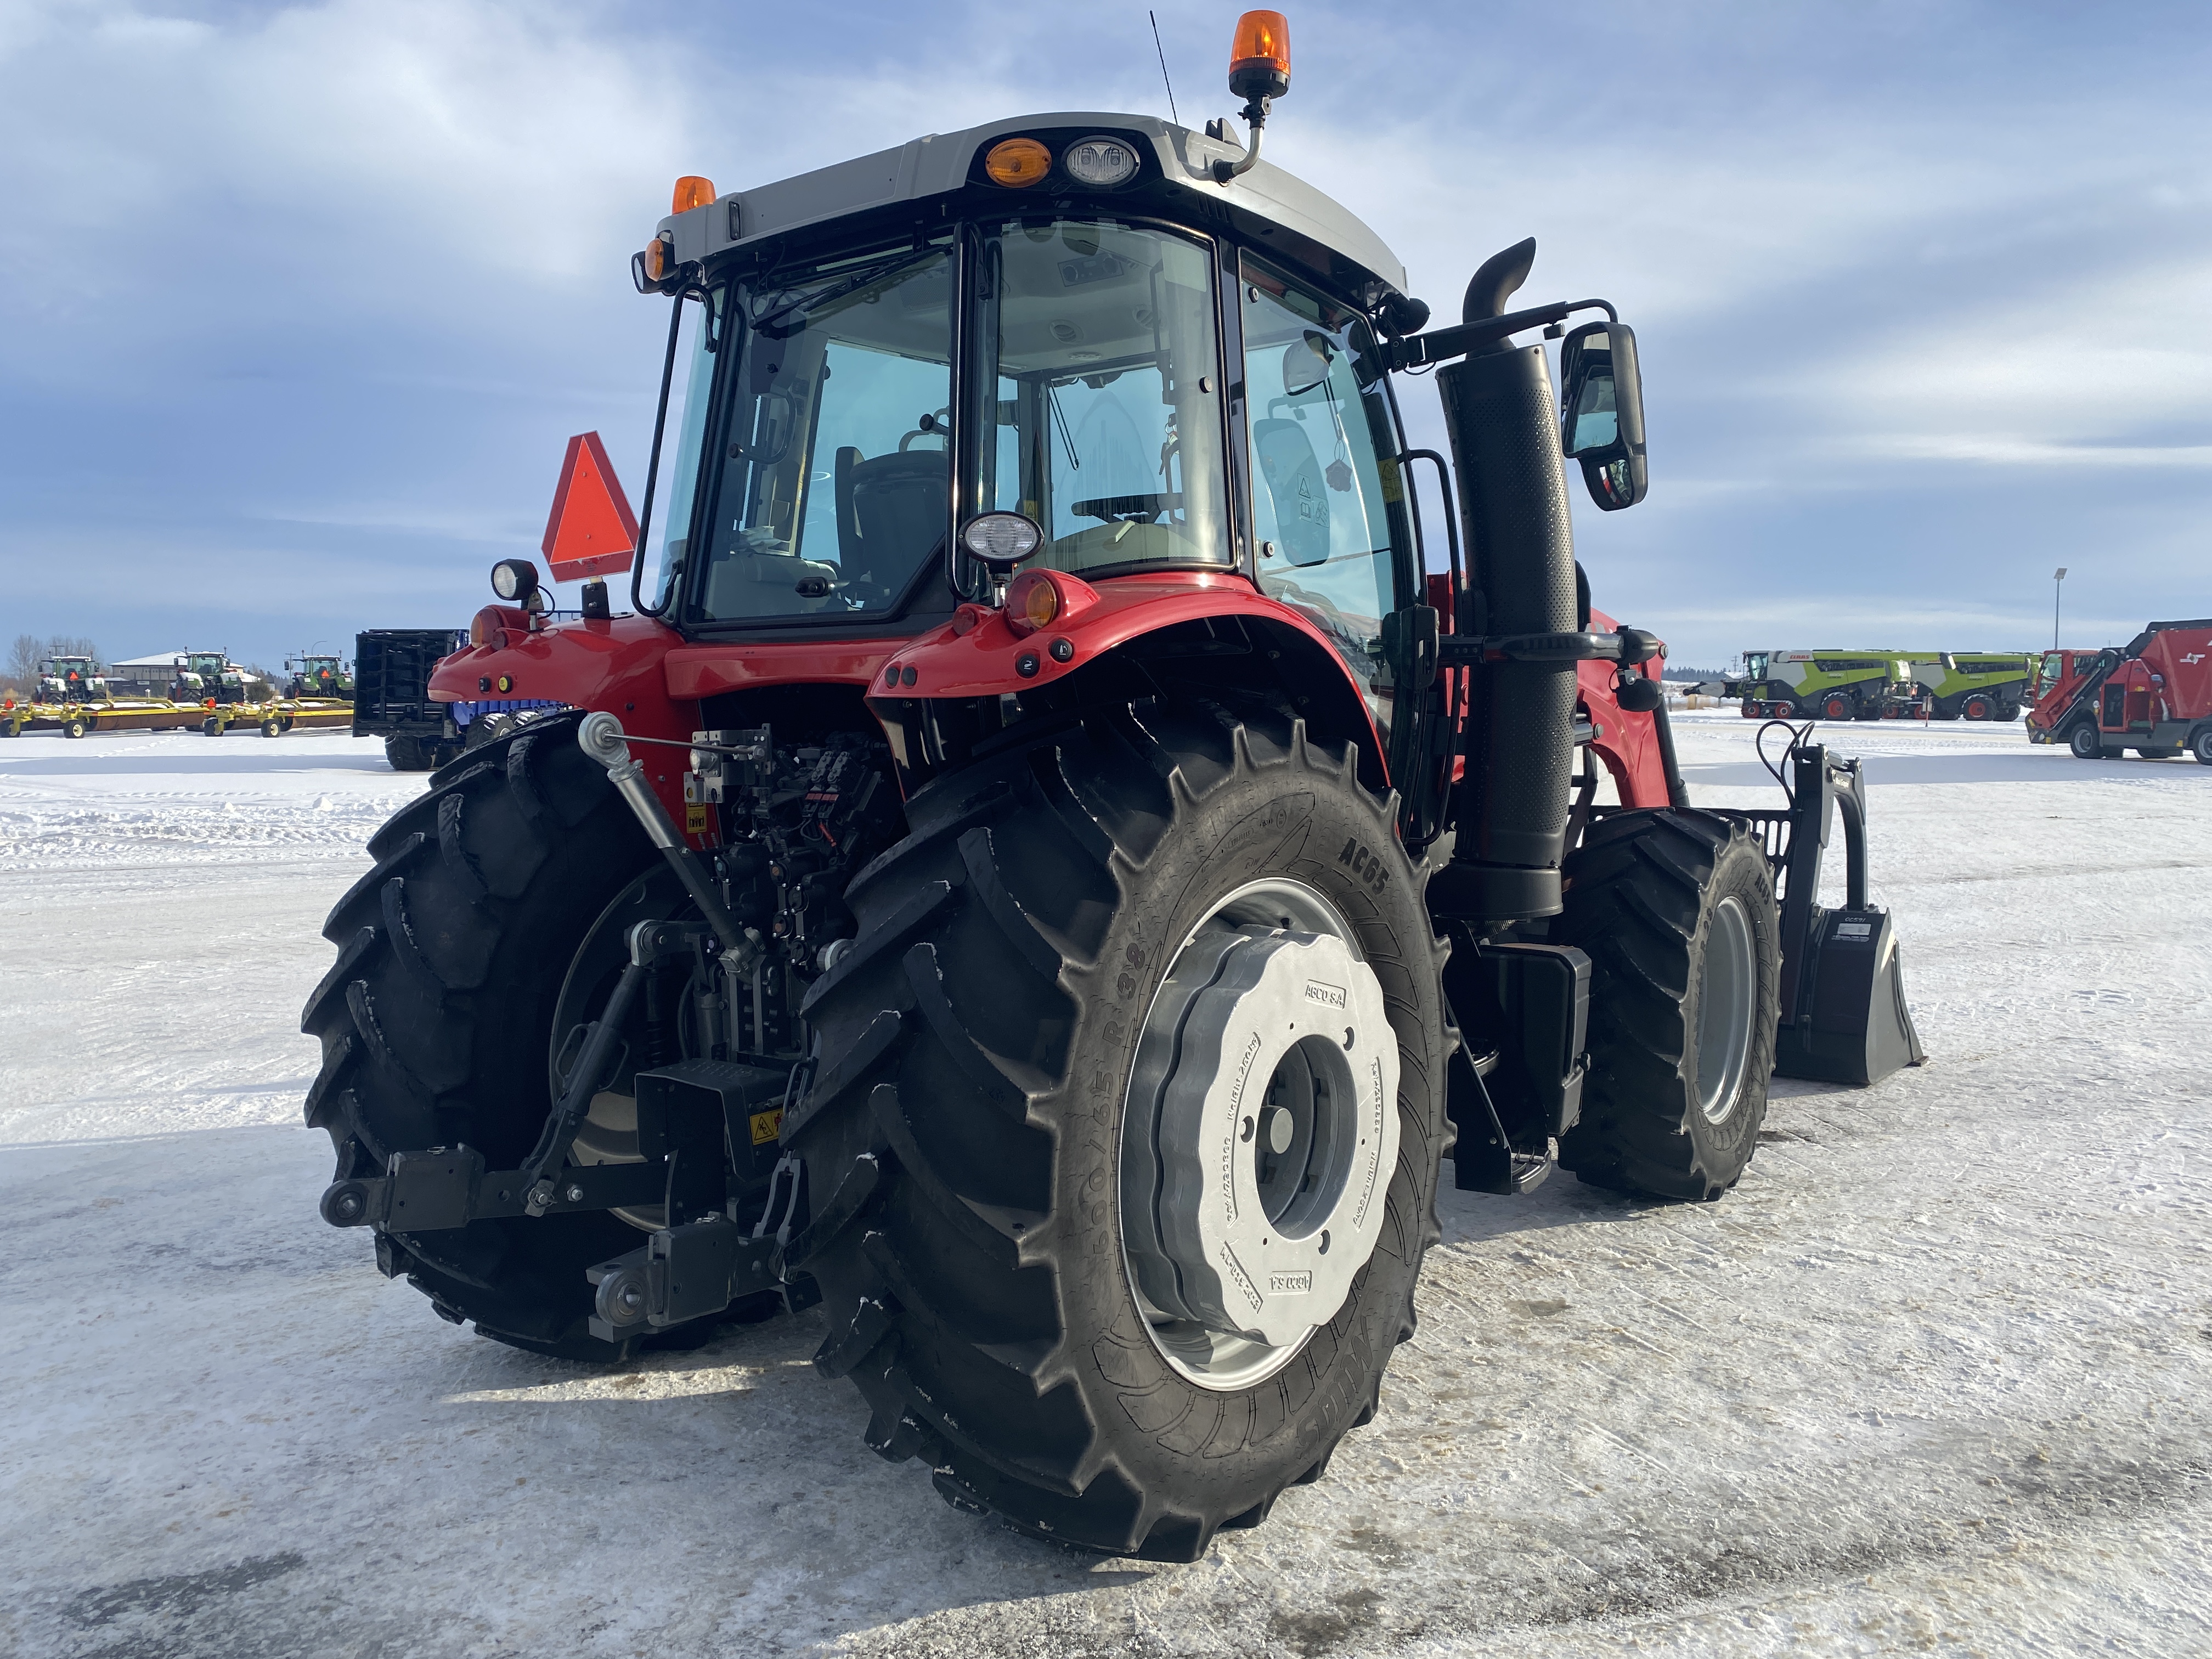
[1044, 873]
[2153, 694]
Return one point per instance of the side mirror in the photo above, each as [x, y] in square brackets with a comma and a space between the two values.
[1601, 405]
[1305, 363]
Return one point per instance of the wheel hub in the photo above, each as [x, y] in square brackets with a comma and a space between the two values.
[1261, 1132]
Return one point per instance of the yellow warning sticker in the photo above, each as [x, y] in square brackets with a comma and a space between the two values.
[766, 1126]
[695, 817]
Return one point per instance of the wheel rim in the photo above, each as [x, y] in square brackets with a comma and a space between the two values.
[1727, 993]
[1244, 1224]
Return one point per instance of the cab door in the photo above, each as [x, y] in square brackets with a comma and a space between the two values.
[1329, 518]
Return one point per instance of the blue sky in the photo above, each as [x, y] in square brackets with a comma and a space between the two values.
[299, 304]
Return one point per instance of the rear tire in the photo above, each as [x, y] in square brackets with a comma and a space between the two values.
[961, 1138]
[434, 1020]
[1675, 910]
[2085, 742]
[406, 755]
[1978, 707]
[1838, 708]
[2202, 748]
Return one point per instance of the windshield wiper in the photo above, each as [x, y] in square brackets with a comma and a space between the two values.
[764, 322]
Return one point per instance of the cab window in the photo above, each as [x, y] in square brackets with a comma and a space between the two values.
[1327, 513]
[833, 492]
[1106, 371]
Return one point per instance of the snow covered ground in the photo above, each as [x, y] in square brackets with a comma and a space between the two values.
[1933, 1379]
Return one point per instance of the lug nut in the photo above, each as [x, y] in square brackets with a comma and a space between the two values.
[574, 1195]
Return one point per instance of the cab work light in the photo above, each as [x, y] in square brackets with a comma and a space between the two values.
[1101, 163]
[1016, 163]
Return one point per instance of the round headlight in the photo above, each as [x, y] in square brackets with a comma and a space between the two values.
[1017, 162]
[1002, 538]
[514, 580]
[1100, 162]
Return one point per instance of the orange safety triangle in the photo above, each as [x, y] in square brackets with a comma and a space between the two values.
[592, 532]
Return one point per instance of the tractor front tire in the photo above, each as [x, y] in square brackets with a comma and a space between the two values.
[1675, 910]
[963, 1138]
[1838, 709]
[436, 1019]
[2085, 741]
[406, 755]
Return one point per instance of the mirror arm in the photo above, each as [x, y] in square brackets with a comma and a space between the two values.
[1457, 341]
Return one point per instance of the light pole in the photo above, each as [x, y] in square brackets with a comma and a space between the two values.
[2057, 586]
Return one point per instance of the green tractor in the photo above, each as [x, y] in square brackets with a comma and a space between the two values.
[65, 680]
[211, 677]
[316, 676]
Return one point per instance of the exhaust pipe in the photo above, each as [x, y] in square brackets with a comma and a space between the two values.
[1501, 418]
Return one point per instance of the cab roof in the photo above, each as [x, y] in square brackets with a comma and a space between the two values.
[1265, 203]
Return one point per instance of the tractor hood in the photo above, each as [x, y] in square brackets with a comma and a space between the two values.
[1267, 201]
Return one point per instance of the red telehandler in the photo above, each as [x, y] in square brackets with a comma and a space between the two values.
[2153, 695]
[1044, 873]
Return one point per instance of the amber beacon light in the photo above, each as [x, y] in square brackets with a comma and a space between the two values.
[1259, 59]
[691, 192]
[1016, 163]
[1259, 73]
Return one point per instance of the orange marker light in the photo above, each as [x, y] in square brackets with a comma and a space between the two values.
[692, 191]
[1032, 602]
[1260, 56]
[1016, 163]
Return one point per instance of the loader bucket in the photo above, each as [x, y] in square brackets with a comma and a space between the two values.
[1853, 1026]
[1843, 1017]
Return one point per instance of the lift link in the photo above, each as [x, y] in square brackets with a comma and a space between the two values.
[601, 736]
[650, 943]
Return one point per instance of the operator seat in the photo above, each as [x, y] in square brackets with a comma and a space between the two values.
[891, 514]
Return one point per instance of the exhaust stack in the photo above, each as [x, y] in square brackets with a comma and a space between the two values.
[1501, 415]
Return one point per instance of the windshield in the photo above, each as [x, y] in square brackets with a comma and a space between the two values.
[1105, 376]
[831, 492]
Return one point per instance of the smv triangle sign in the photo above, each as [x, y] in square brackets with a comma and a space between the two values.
[592, 532]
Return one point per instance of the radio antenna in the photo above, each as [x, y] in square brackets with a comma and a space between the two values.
[1158, 48]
